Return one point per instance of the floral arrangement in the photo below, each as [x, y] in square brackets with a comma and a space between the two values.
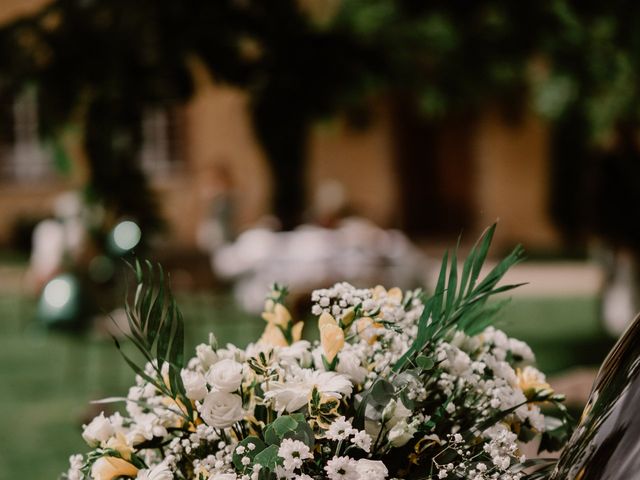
[400, 385]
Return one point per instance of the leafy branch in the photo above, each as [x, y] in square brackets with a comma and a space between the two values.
[156, 329]
[461, 304]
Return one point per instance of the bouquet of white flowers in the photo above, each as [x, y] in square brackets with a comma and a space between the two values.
[400, 385]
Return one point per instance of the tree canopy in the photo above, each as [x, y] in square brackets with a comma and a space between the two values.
[100, 63]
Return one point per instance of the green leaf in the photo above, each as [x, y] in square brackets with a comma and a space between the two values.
[439, 293]
[424, 362]
[259, 447]
[452, 285]
[276, 431]
[466, 272]
[480, 318]
[268, 457]
[460, 305]
[382, 392]
[526, 434]
[298, 417]
[304, 433]
[421, 337]
[479, 258]
[157, 331]
[284, 424]
[329, 366]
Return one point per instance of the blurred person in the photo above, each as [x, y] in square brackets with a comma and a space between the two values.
[330, 204]
[59, 241]
[620, 301]
[218, 194]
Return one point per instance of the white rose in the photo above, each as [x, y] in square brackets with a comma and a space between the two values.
[221, 409]
[230, 351]
[401, 433]
[206, 355]
[194, 384]
[98, 431]
[395, 412]
[349, 365]
[371, 469]
[225, 376]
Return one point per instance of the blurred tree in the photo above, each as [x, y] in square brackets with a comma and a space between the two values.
[103, 62]
[100, 64]
[589, 87]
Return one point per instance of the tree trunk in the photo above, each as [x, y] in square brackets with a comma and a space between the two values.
[282, 128]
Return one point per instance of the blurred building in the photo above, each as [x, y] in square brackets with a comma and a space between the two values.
[396, 171]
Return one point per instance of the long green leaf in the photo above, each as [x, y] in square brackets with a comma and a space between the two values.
[157, 331]
[452, 285]
[438, 295]
[461, 306]
[478, 261]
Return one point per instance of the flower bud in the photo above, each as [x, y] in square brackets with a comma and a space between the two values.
[389, 411]
[348, 316]
[296, 332]
[110, 468]
[332, 341]
[326, 319]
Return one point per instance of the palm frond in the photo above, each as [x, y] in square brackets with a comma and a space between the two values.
[156, 329]
[461, 303]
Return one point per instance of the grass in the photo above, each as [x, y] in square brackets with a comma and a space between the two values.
[48, 380]
[563, 332]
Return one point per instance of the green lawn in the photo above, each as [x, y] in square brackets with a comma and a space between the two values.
[48, 380]
[563, 332]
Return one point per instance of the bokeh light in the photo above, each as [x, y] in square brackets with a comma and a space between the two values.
[57, 293]
[125, 236]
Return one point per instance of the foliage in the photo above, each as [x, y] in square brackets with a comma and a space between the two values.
[102, 63]
[460, 306]
[157, 330]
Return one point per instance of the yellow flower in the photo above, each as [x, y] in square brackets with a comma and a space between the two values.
[367, 329]
[279, 316]
[119, 444]
[110, 468]
[378, 291]
[326, 319]
[296, 331]
[395, 294]
[269, 305]
[531, 380]
[332, 340]
[273, 336]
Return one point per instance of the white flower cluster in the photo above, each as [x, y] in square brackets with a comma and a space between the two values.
[338, 408]
[340, 298]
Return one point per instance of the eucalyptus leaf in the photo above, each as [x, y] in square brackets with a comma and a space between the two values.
[381, 392]
[303, 433]
[284, 424]
[424, 362]
[251, 453]
[268, 457]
